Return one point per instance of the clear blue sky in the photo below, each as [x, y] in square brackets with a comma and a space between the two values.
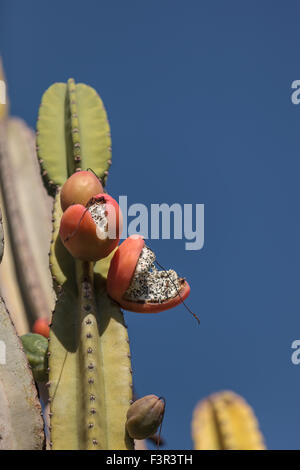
[198, 97]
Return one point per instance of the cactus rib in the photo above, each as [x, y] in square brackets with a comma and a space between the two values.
[72, 133]
[224, 421]
[89, 369]
[62, 265]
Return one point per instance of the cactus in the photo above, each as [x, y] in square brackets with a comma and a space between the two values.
[18, 396]
[72, 133]
[90, 383]
[86, 361]
[224, 421]
[27, 216]
[20, 408]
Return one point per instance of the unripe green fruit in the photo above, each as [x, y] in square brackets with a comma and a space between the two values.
[145, 416]
[36, 347]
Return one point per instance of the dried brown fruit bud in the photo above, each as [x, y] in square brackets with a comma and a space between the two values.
[145, 416]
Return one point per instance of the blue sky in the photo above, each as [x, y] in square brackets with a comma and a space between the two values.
[198, 98]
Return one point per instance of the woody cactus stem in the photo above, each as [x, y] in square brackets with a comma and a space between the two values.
[90, 379]
[28, 216]
[20, 409]
[1, 238]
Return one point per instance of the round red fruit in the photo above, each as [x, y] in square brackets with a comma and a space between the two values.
[93, 231]
[79, 189]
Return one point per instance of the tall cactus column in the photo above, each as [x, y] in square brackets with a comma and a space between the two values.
[90, 379]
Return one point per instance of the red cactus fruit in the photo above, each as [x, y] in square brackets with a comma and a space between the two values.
[92, 232]
[79, 189]
[134, 282]
[41, 327]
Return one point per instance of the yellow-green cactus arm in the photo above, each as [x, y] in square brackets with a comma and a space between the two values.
[102, 266]
[72, 133]
[53, 142]
[95, 140]
[90, 382]
[117, 371]
[62, 264]
[225, 421]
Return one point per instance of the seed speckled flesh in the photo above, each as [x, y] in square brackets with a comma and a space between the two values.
[98, 213]
[151, 285]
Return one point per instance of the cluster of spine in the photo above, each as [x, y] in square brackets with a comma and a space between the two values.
[75, 131]
[49, 184]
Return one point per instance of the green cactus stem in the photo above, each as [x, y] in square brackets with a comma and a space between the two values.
[90, 382]
[90, 379]
[72, 133]
[62, 265]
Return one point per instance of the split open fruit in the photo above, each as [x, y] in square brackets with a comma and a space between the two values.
[93, 231]
[134, 282]
[79, 189]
